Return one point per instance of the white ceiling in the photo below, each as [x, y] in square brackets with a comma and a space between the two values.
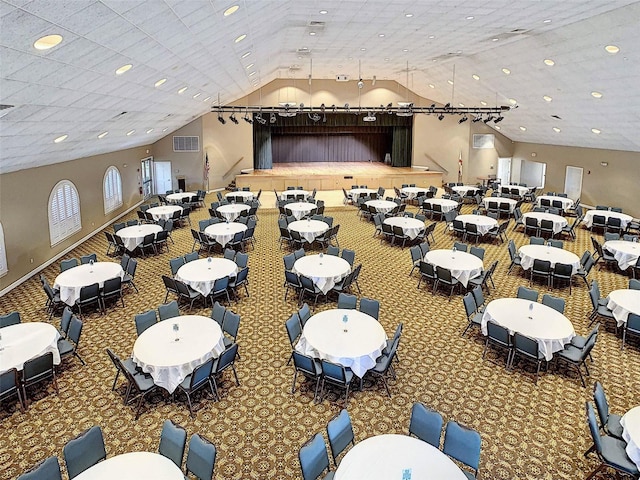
[72, 88]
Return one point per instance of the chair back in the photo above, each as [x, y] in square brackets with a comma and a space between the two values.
[444, 275]
[469, 304]
[511, 246]
[220, 285]
[542, 266]
[461, 247]
[242, 259]
[527, 294]
[348, 255]
[12, 318]
[173, 440]
[478, 296]
[525, 345]
[426, 424]
[634, 284]
[294, 329]
[498, 334]
[334, 373]
[304, 313]
[89, 292]
[536, 241]
[190, 257]
[218, 312]
[48, 469]
[304, 364]
[313, 458]
[370, 306]
[145, 320]
[462, 444]
[75, 329]
[289, 261]
[477, 251]
[556, 303]
[111, 286]
[84, 451]
[201, 374]
[68, 263]
[84, 259]
[227, 358]
[340, 433]
[65, 320]
[231, 323]
[201, 459]
[600, 399]
[346, 300]
[168, 310]
[593, 428]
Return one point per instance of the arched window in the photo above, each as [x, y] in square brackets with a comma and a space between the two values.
[64, 211]
[112, 190]
[4, 268]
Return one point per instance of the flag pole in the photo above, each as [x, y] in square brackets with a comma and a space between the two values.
[460, 167]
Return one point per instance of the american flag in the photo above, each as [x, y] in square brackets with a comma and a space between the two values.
[205, 174]
[460, 166]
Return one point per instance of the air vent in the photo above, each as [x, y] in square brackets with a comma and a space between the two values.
[303, 51]
[295, 67]
[186, 144]
[556, 117]
[342, 78]
[315, 24]
[4, 109]
[516, 32]
[483, 140]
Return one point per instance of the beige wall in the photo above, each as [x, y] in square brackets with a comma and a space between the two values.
[617, 184]
[484, 161]
[24, 197]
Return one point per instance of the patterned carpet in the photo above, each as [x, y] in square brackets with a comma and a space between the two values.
[528, 431]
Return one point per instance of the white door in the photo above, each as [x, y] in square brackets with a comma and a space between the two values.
[504, 170]
[163, 177]
[573, 182]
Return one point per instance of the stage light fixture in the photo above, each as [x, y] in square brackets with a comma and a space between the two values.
[221, 119]
[463, 119]
[488, 119]
[233, 118]
[441, 117]
[273, 118]
[360, 83]
[260, 119]
[499, 119]
[477, 118]
[447, 106]
[247, 119]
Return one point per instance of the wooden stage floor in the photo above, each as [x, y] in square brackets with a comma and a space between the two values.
[336, 175]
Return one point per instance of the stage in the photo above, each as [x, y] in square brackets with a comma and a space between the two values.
[336, 175]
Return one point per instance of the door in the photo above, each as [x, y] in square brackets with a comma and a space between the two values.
[504, 171]
[146, 177]
[163, 177]
[573, 182]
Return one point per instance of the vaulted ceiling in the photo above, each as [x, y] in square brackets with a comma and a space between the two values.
[72, 89]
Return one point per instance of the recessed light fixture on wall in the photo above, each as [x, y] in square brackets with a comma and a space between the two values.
[604, 164]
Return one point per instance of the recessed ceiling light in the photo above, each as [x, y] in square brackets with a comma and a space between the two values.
[246, 54]
[470, 17]
[160, 82]
[130, 132]
[596, 94]
[103, 134]
[513, 101]
[124, 69]
[231, 10]
[165, 129]
[381, 35]
[556, 129]
[61, 138]
[596, 131]
[249, 66]
[495, 39]
[524, 129]
[432, 37]
[150, 130]
[461, 104]
[475, 77]
[431, 85]
[252, 74]
[363, 49]
[483, 103]
[197, 95]
[386, 59]
[450, 82]
[312, 33]
[405, 49]
[182, 90]
[240, 38]
[497, 127]
[323, 12]
[408, 15]
[47, 42]
[547, 98]
[506, 71]
[549, 62]
[206, 99]
[548, 20]
[612, 49]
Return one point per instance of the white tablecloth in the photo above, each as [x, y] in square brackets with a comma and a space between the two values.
[412, 192]
[71, 281]
[483, 222]
[521, 190]
[463, 265]
[223, 232]
[25, 341]
[588, 217]
[446, 204]
[566, 202]
[630, 422]
[558, 222]
[462, 190]
[410, 226]
[308, 229]
[325, 271]
[132, 236]
[354, 193]
[169, 361]
[549, 327]
[133, 465]
[386, 457]
[164, 212]
[381, 206]
[181, 197]
[299, 209]
[622, 302]
[528, 253]
[232, 210]
[247, 196]
[324, 337]
[512, 203]
[626, 253]
[201, 274]
[292, 194]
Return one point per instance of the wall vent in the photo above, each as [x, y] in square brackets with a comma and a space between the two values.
[186, 144]
[483, 140]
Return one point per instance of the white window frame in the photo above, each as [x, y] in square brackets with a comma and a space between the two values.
[63, 211]
[112, 189]
[4, 267]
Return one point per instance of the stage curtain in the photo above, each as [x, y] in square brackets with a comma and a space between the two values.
[262, 154]
[401, 147]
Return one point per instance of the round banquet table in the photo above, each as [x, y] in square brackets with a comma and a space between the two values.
[512, 203]
[164, 212]
[566, 202]
[630, 422]
[169, 361]
[246, 196]
[292, 194]
[462, 190]
[483, 222]
[25, 341]
[386, 457]
[181, 197]
[133, 466]
[299, 209]
[626, 253]
[410, 226]
[622, 303]
[232, 211]
[325, 271]
[381, 206]
[309, 229]
[463, 265]
[624, 218]
[521, 190]
[132, 236]
[529, 253]
[549, 327]
[412, 192]
[71, 281]
[324, 337]
[201, 274]
[354, 193]
[558, 222]
[223, 232]
[446, 204]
